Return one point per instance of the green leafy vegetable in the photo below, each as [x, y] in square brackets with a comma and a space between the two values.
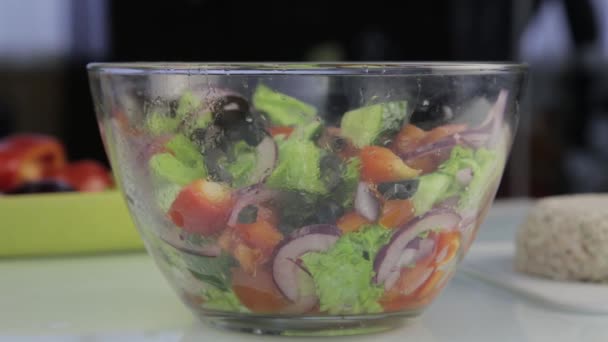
[343, 275]
[241, 161]
[182, 166]
[216, 299]
[298, 167]
[345, 193]
[167, 167]
[282, 110]
[187, 104]
[211, 270]
[439, 185]
[186, 152]
[365, 125]
[484, 174]
[432, 188]
[157, 124]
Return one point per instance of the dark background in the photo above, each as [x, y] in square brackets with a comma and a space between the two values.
[560, 146]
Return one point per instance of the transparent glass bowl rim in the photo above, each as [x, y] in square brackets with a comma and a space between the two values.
[302, 68]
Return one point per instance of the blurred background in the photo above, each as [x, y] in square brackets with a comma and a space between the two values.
[562, 143]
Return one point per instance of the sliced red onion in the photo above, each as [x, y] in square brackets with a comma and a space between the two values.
[285, 271]
[437, 147]
[254, 194]
[464, 176]
[427, 247]
[488, 131]
[475, 139]
[450, 202]
[267, 155]
[366, 204]
[388, 259]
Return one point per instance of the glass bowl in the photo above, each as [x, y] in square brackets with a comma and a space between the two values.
[306, 199]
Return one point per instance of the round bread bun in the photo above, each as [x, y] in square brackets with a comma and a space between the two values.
[565, 238]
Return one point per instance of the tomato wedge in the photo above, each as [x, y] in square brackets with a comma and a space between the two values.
[395, 213]
[408, 139]
[202, 207]
[441, 132]
[351, 222]
[379, 164]
[280, 130]
[260, 234]
[448, 244]
[258, 291]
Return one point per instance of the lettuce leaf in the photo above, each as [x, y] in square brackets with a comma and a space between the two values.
[298, 167]
[282, 110]
[343, 275]
[216, 299]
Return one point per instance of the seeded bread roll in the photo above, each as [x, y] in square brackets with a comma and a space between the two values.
[565, 238]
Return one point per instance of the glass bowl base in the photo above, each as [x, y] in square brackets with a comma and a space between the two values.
[309, 325]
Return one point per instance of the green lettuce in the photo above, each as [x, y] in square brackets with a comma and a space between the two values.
[343, 275]
[216, 299]
[345, 193]
[241, 161]
[282, 110]
[298, 167]
[365, 125]
[485, 173]
[437, 186]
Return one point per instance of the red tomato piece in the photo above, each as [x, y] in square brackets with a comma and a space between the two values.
[351, 222]
[379, 164]
[202, 207]
[396, 213]
[258, 291]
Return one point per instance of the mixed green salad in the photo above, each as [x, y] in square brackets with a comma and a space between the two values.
[275, 211]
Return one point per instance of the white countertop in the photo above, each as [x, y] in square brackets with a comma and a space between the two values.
[124, 298]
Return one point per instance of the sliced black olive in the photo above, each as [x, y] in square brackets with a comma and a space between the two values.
[398, 190]
[329, 212]
[248, 215]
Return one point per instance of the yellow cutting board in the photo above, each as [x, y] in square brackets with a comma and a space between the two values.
[66, 223]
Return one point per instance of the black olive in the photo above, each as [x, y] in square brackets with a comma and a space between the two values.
[251, 132]
[429, 113]
[338, 144]
[229, 110]
[398, 190]
[173, 108]
[42, 186]
[366, 255]
[249, 214]
[329, 212]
